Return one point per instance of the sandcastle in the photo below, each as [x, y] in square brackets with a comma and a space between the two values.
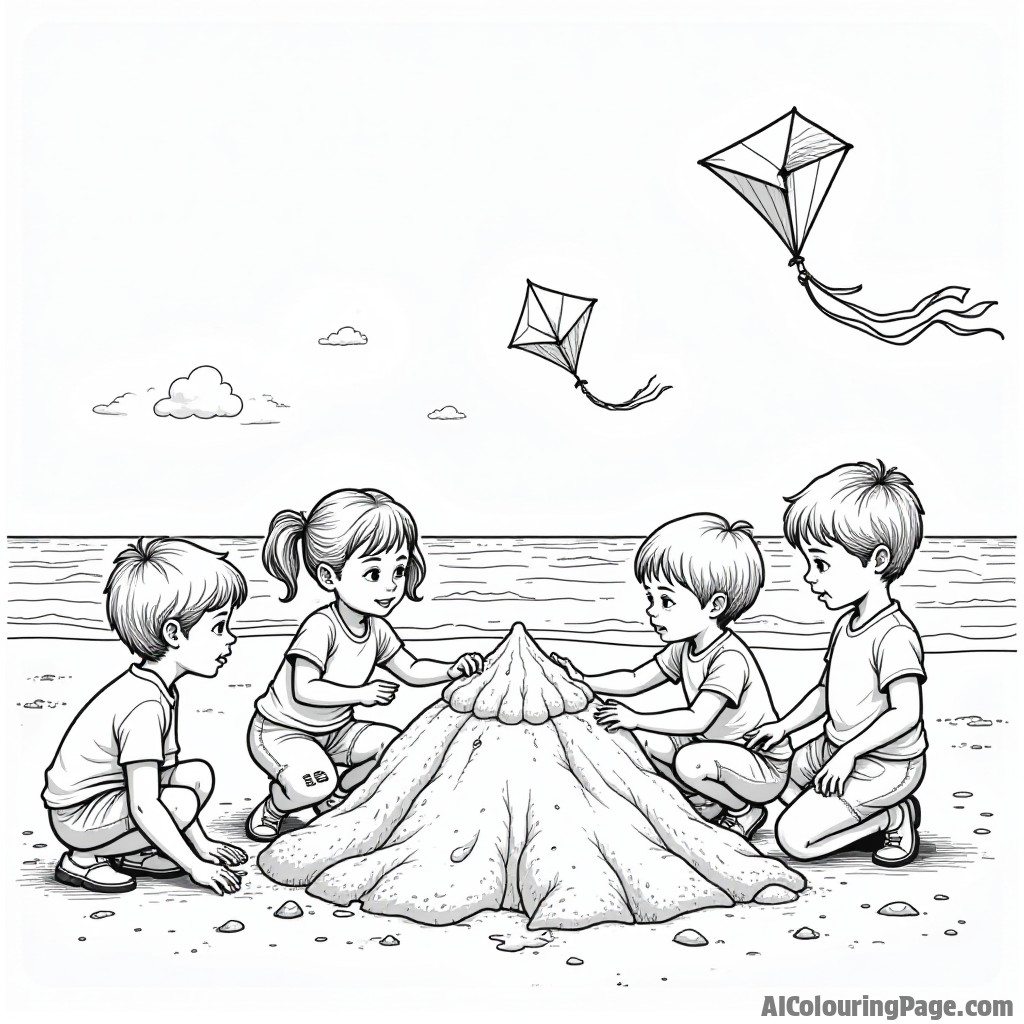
[506, 795]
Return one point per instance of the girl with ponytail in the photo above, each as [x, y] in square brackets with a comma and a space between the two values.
[362, 547]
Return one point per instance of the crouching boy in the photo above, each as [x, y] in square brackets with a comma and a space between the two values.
[857, 528]
[118, 796]
[701, 574]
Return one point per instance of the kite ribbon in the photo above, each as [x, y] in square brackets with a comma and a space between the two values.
[907, 324]
[643, 395]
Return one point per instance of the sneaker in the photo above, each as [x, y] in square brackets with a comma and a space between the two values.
[745, 824]
[101, 876]
[149, 864]
[707, 809]
[264, 823]
[900, 844]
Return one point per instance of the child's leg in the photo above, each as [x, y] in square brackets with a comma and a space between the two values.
[729, 774]
[302, 771]
[359, 748]
[816, 826]
[660, 748]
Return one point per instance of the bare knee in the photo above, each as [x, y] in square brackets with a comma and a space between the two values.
[195, 775]
[692, 766]
[182, 804]
[793, 836]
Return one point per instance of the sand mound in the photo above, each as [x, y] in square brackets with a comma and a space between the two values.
[559, 819]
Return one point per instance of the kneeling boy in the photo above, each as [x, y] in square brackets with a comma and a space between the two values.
[701, 574]
[119, 798]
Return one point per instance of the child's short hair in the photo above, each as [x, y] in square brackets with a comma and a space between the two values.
[341, 524]
[703, 553]
[167, 578]
[860, 507]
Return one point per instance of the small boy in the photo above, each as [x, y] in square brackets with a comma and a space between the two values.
[701, 574]
[857, 528]
[119, 798]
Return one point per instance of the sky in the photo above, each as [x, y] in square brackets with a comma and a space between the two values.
[198, 185]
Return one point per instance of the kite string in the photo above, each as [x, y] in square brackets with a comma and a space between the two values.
[919, 318]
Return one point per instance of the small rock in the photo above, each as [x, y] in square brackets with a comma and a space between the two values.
[962, 794]
[98, 915]
[940, 896]
[320, 938]
[231, 926]
[689, 937]
[574, 961]
[288, 910]
[772, 894]
[344, 913]
[389, 940]
[898, 909]
[949, 931]
[806, 933]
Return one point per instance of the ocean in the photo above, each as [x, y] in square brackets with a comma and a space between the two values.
[960, 592]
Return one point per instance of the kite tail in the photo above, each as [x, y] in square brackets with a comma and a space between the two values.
[648, 393]
[903, 326]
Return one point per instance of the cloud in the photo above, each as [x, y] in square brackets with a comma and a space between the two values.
[344, 336]
[447, 412]
[203, 393]
[262, 411]
[123, 405]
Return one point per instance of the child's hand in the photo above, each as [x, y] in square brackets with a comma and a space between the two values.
[467, 665]
[380, 691]
[766, 735]
[613, 715]
[567, 667]
[222, 853]
[220, 879]
[832, 779]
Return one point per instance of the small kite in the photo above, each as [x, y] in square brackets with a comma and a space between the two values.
[784, 171]
[552, 325]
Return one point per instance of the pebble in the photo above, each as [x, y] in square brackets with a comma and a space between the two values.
[689, 937]
[231, 926]
[962, 794]
[806, 933]
[983, 831]
[344, 913]
[949, 931]
[389, 940]
[898, 909]
[288, 910]
[940, 896]
[320, 938]
[574, 961]
[98, 915]
[773, 894]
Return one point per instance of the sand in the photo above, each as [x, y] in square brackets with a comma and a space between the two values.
[964, 884]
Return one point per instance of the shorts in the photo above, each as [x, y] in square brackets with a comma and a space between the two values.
[98, 821]
[302, 762]
[752, 775]
[876, 784]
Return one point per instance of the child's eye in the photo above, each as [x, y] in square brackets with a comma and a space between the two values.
[666, 602]
[373, 575]
[820, 565]
[219, 629]
[400, 572]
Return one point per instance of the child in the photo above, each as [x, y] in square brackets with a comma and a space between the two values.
[701, 574]
[363, 547]
[119, 798]
[857, 528]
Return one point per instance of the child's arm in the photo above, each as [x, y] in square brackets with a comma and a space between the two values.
[311, 688]
[903, 714]
[154, 821]
[425, 672]
[810, 709]
[622, 683]
[678, 722]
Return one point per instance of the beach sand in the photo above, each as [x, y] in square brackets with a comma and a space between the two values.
[964, 884]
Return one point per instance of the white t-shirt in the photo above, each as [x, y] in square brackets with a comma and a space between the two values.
[132, 719]
[728, 667]
[341, 656]
[862, 662]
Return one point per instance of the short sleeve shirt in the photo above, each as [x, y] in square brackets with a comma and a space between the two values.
[861, 663]
[727, 667]
[132, 719]
[341, 656]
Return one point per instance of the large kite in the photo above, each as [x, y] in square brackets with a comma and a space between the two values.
[552, 324]
[784, 171]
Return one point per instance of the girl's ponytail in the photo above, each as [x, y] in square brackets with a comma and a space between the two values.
[281, 549]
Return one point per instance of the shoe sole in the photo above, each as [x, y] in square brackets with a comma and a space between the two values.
[66, 878]
[135, 872]
[903, 860]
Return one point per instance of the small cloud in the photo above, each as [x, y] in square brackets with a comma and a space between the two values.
[447, 412]
[203, 393]
[344, 336]
[262, 411]
[119, 406]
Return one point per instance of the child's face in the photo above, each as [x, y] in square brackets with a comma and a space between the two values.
[374, 584]
[836, 578]
[207, 647]
[676, 612]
